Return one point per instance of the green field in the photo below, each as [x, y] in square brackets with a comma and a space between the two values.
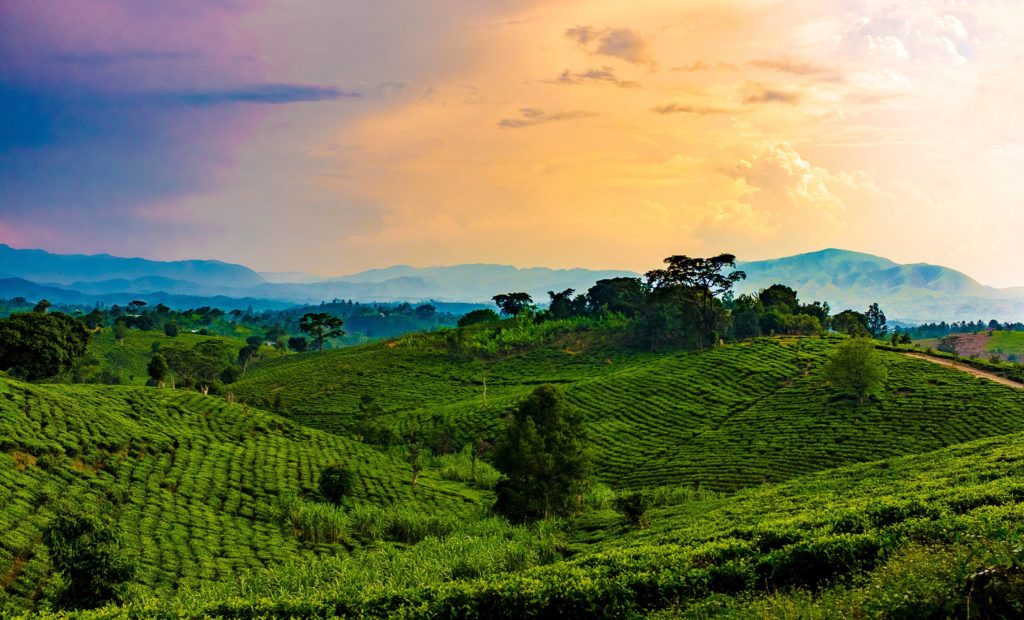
[733, 417]
[772, 494]
[1009, 345]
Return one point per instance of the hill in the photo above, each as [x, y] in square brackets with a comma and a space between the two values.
[760, 479]
[909, 293]
[198, 483]
[44, 267]
[733, 417]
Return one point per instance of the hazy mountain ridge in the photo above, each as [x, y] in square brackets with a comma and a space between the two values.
[43, 267]
[909, 293]
[912, 293]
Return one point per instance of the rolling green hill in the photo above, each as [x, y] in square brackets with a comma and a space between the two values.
[762, 479]
[196, 483]
[733, 417]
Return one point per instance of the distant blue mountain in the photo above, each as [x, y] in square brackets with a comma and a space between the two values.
[909, 293]
[42, 266]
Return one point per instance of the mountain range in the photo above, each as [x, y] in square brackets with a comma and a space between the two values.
[908, 293]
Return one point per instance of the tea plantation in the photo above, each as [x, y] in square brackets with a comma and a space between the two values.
[770, 493]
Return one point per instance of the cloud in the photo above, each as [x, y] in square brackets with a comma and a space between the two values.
[700, 65]
[603, 75]
[797, 67]
[621, 43]
[684, 108]
[537, 116]
[781, 198]
[762, 94]
[261, 94]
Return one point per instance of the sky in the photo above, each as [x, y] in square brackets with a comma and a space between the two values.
[332, 136]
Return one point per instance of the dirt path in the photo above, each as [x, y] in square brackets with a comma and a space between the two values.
[968, 369]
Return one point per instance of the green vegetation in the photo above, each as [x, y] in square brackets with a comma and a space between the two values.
[542, 455]
[855, 369]
[40, 345]
[641, 449]
[1008, 345]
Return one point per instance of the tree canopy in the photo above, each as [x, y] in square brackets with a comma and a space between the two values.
[41, 345]
[699, 281]
[542, 456]
[321, 326]
[855, 369]
[513, 304]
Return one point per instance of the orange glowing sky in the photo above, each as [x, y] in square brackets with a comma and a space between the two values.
[604, 134]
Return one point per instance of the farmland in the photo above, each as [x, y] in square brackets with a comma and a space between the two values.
[754, 468]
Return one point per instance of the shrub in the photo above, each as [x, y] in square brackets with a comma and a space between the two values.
[336, 483]
[86, 551]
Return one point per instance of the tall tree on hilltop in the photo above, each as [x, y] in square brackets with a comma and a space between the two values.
[877, 324]
[513, 304]
[699, 281]
[321, 326]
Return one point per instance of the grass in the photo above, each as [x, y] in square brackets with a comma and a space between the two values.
[733, 417]
[127, 360]
[195, 482]
[769, 493]
[1009, 345]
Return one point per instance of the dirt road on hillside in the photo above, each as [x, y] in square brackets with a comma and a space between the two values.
[968, 369]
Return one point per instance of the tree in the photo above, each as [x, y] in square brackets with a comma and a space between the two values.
[298, 344]
[120, 330]
[876, 321]
[171, 329]
[42, 306]
[542, 457]
[336, 483]
[425, 311]
[36, 346]
[700, 281]
[86, 551]
[851, 323]
[623, 295]
[513, 304]
[779, 296]
[158, 369]
[321, 326]
[483, 315]
[855, 369]
[564, 305]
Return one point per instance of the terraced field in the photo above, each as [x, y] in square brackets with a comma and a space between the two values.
[929, 535]
[129, 358]
[196, 481]
[218, 501]
[733, 417]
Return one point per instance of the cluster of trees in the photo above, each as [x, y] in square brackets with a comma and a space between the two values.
[690, 302]
[943, 329]
[38, 345]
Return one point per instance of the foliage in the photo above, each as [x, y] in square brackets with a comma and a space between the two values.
[336, 483]
[625, 296]
[699, 282]
[876, 322]
[40, 345]
[513, 304]
[542, 456]
[481, 315]
[855, 369]
[87, 553]
[321, 326]
[158, 368]
[851, 323]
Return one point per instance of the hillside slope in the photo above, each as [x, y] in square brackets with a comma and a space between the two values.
[733, 417]
[195, 483]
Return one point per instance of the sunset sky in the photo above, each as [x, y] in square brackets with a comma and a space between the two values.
[331, 136]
